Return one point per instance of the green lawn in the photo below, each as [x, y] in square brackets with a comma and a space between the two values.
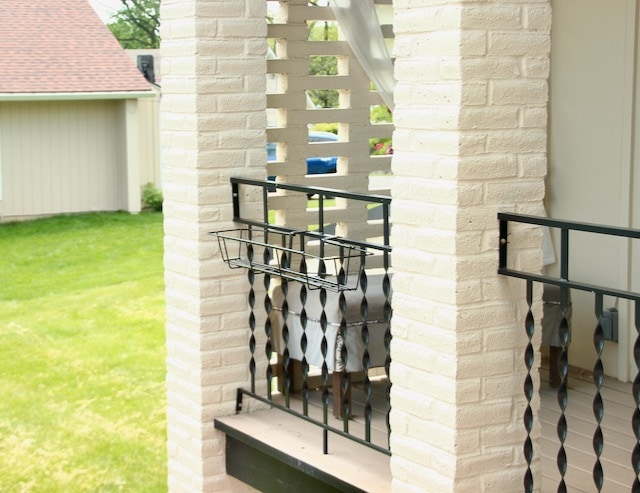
[82, 399]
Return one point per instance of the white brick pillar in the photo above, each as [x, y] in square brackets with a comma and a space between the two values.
[213, 127]
[470, 141]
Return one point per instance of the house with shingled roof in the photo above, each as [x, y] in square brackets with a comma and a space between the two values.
[71, 125]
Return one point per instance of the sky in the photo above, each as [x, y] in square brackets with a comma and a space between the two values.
[105, 8]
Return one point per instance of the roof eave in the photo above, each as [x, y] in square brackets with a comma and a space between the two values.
[67, 96]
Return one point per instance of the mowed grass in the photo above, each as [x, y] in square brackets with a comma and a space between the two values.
[82, 356]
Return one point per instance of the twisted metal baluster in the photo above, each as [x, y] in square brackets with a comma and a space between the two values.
[386, 288]
[303, 323]
[598, 406]
[344, 356]
[635, 456]
[563, 369]
[325, 369]
[303, 345]
[251, 276]
[286, 359]
[529, 359]
[268, 305]
[366, 360]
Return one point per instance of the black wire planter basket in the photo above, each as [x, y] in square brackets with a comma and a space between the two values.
[316, 260]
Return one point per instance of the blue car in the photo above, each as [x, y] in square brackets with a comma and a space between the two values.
[315, 165]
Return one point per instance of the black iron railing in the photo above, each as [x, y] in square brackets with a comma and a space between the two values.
[327, 308]
[599, 336]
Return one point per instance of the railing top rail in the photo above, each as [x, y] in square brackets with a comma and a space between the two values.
[570, 225]
[327, 192]
[565, 226]
[323, 193]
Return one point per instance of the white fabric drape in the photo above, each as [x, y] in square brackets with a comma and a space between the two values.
[359, 23]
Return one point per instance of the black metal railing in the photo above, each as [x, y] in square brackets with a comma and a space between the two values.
[327, 308]
[599, 336]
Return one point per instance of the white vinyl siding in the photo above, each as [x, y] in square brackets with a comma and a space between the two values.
[149, 115]
[62, 157]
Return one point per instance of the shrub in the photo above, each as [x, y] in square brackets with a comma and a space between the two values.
[379, 147]
[326, 127]
[152, 197]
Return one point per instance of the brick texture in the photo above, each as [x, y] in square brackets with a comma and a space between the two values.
[213, 127]
[470, 141]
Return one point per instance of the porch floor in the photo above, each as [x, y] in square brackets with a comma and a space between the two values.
[361, 468]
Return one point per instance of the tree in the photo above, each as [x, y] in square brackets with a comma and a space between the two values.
[323, 65]
[137, 24]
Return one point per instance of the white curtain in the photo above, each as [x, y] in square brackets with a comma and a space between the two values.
[359, 23]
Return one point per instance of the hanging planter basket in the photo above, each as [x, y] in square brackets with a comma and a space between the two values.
[319, 261]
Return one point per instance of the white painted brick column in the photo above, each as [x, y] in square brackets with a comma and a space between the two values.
[470, 141]
[213, 127]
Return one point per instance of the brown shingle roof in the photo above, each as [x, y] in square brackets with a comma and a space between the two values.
[49, 46]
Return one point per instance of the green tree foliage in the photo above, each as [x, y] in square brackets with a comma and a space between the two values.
[323, 65]
[137, 24]
[381, 114]
[152, 197]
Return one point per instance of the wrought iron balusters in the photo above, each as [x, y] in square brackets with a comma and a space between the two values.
[324, 346]
[345, 383]
[635, 420]
[268, 306]
[529, 360]
[252, 326]
[292, 319]
[563, 394]
[599, 336]
[303, 343]
[364, 312]
[598, 406]
[286, 360]
[387, 311]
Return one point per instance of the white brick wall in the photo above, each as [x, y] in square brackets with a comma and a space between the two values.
[213, 127]
[470, 141]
